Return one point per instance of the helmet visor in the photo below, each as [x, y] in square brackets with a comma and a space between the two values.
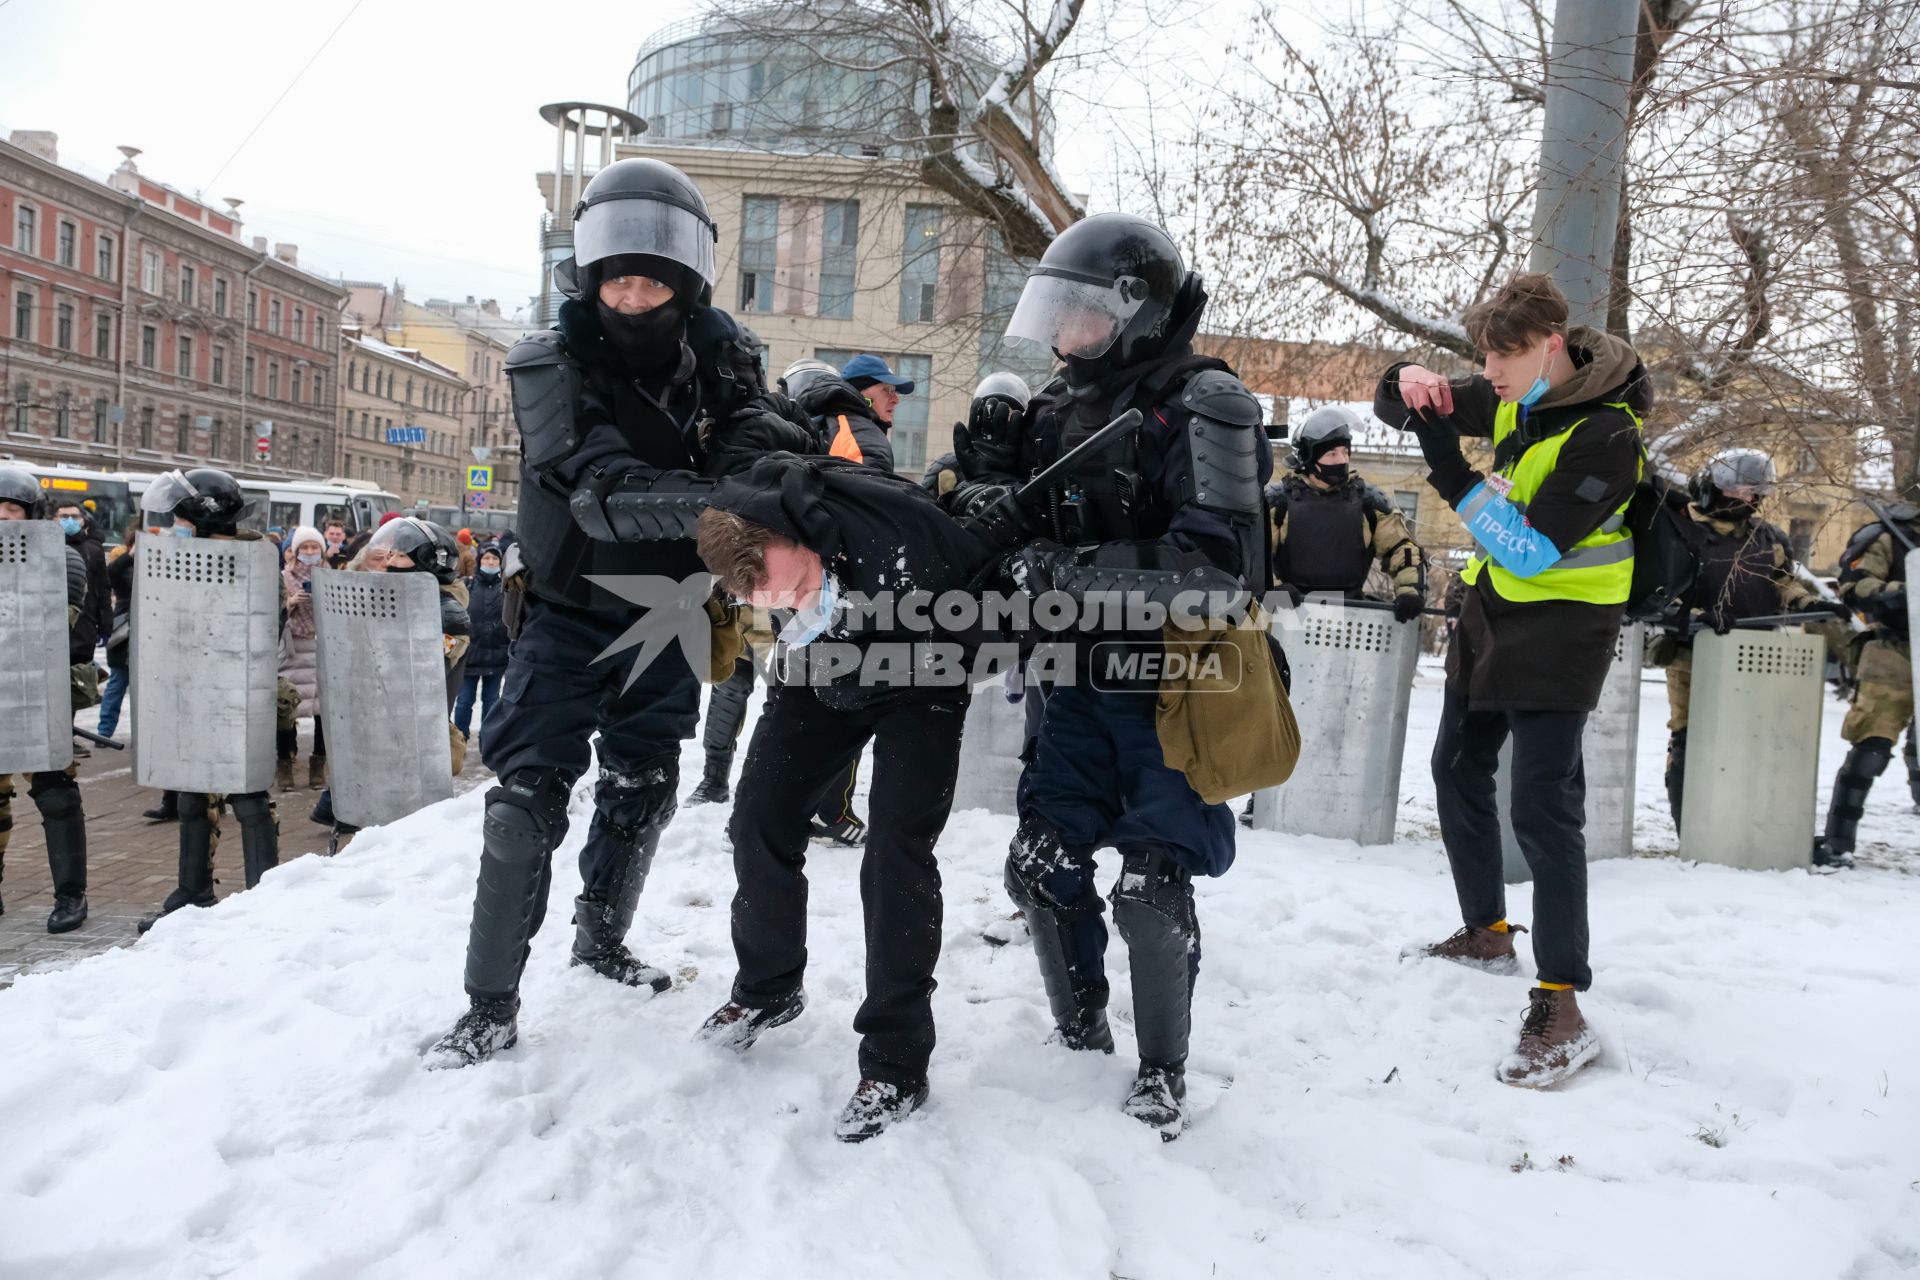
[1073, 316]
[1008, 386]
[166, 492]
[404, 535]
[1747, 469]
[637, 224]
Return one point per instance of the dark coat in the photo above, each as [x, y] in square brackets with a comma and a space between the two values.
[96, 614]
[488, 653]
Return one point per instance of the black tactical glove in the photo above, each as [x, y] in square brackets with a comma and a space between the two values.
[752, 431]
[1838, 608]
[1889, 607]
[988, 443]
[1447, 468]
[1031, 568]
[1407, 606]
[990, 511]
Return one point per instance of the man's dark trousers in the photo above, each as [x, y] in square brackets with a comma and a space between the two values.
[1548, 807]
[799, 745]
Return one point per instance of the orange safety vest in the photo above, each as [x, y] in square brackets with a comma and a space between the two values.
[844, 444]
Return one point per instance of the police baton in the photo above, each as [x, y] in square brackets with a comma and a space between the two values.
[1034, 491]
[1887, 521]
[97, 740]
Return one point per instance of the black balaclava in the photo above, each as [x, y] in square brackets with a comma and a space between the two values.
[1721, 507]
[1331, 473]
[649, 342]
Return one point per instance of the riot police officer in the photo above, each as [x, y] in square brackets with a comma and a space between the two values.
[1746, 571]
[1177, 507]
[55, 792]
[1330, 526]
[208, 503]
[642, 388]
[1873, 579]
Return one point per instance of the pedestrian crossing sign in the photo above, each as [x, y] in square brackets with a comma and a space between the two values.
[479, 479]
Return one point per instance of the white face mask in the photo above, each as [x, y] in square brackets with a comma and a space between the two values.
[806, 625]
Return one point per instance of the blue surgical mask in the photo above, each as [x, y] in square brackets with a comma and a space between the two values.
[71, 524]
[491, 570]
[806, 626]
[310, 558]
[1540, 386]
[183, 531]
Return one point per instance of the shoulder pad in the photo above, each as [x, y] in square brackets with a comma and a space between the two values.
[544, 347]
[1374, 498]
[1217, 394]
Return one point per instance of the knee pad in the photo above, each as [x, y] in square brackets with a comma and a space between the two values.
[1870, 757]
[526, 814]
[1154, 894]
[1043, 873]
[636, 801]
[57, 799]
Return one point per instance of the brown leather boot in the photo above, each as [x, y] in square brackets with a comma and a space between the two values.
[1555, 1042]
[316, 772]
[1487, 949]
[283, 775]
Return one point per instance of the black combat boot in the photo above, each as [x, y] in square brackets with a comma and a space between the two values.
[601, 920]
[1866, 761]
[1676, 773]
[66, 830]
[714, 786]
[259, 835]
[1069, 937]
[197, 837]
[1153, 909]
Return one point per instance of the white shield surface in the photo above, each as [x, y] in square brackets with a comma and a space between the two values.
[1352, 677]
[206, 628]
[383, 693]
[1913, 612]
[996, 733]
[36, 697]
[1609, 750]
[1753, 749]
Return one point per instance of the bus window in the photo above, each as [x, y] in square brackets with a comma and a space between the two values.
[325, 511]
[109, 502]
[284, 514]
[257, 506]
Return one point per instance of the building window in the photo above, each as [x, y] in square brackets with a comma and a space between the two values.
[150, 270]
[183, 433]
[365, 430]
[63, 326]
[273, 316]
[63, 415]
[103, 337]
[26, 226]
[247, 372]
[841, 236]
[22, 406]
[299, 323]
[1408, 500]
[99, 420]
[920, 264]
[1800, 536]
[146, 427]
[186, 284]
[103, 256]
[219, 296]
[219, 371]
[183, 358]
[409, 390]
[317, 397]
[23, 314]
[273, 379]
[69, 243]
[759, 242]
[253, 308]
[149, 338]
[293, 385]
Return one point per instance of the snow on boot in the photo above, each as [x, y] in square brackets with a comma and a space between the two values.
[624, 967]
[482, 1031]
[1086, 1029]
[874, 1106]
[1490, 950]
[1830, 857]
[69, 913]
[1159, 1100]
[736, 1026]
[1555, 1042]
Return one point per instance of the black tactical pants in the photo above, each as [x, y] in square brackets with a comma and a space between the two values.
[799, 746]
[1548, 808]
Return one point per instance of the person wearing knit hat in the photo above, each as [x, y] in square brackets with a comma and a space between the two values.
[299, 685]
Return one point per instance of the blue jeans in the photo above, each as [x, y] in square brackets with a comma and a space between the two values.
[482, 684]
[112, 697]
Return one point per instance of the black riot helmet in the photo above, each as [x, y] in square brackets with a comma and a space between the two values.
[649, 209]
[1327, 427]
[18, 486]
[1733, 482]
[431, 548]
[1010, 387]
[1103, 291]
[206, 497]
[805, 373]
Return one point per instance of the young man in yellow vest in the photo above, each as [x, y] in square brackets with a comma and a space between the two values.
[1546, 588]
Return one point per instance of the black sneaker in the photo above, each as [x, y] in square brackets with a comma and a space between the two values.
[736, 1026]
[1159, 1101]
[69, 913]
[625, 968]
[849, 831]
[482, 1031]
[874, 1106]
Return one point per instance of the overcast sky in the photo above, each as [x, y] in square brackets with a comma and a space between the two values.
[408, 149]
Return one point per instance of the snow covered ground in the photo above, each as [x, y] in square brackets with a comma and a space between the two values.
[240, 1094]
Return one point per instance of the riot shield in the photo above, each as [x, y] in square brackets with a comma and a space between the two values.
[383, 690]
[1753, 748]
[36, 696]
[206, 615]
[995, 735]
[1352, 678]
[1913, 613]
[1609, 750]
